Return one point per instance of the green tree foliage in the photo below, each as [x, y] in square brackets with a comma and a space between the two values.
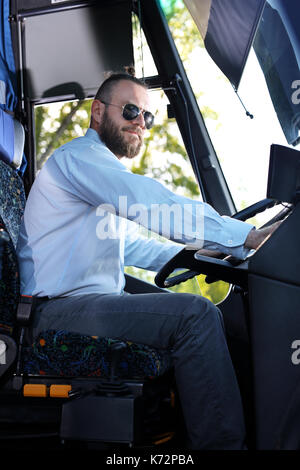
[183, 28]
[55, 125]
[215, 292]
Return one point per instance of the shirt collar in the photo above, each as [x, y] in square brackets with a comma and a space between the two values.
[92, 134]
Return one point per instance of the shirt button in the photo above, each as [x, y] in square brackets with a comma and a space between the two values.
[230, 242]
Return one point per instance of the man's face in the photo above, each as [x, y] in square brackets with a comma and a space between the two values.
[124, 138]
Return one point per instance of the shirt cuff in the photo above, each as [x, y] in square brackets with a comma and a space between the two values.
[234, 234]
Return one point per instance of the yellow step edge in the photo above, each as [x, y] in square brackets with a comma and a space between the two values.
[60, 391]
[42, 390]
[35, 390]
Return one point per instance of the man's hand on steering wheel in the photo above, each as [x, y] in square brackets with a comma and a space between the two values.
[255, 238]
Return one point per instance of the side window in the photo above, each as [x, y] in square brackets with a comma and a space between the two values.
[56, 124]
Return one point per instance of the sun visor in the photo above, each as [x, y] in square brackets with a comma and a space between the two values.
[277, 46]
[74, 46]
[227, 28]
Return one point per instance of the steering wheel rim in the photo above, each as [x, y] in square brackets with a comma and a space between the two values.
[199, 264]
[229, 270]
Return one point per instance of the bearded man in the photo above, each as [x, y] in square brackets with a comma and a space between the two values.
[80, 230]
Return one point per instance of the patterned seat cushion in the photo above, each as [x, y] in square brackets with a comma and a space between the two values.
[57, 352]
[9, 282]
[12, 204]
[12, 200]
[62, 353]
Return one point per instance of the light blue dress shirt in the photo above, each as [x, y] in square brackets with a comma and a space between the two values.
[82, 223]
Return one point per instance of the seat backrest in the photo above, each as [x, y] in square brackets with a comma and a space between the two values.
[12, 195]
[9, 282]
[12, 204]
[12, 200]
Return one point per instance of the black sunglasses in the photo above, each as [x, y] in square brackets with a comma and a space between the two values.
[131, 111]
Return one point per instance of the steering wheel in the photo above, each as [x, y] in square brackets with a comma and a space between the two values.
[230, 270]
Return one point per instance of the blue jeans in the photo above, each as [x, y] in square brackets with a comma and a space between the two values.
[191, 328]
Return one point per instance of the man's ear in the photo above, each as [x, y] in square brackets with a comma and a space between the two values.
[97, 111]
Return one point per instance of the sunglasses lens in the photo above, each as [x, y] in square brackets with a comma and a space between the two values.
[149, 119]
[131, 111]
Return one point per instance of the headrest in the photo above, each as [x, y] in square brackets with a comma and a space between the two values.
[12, 139]
[19, 142]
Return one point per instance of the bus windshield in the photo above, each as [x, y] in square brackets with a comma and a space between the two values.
[242, 124]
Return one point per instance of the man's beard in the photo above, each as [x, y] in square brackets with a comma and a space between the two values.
[113, 138]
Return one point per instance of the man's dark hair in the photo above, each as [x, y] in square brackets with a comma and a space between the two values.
[104, 92]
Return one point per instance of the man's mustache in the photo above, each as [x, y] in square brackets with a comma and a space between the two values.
[136, 130]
